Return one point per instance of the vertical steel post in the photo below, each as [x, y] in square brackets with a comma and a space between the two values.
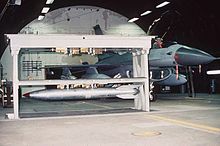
[15, 81]
[136, 68]
[145, 73]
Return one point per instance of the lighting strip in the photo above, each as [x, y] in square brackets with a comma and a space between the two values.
[49, 2]
[45, 10]
[133, 19]
[213, 72]
[162, 4]
[41, 17]
[146, 13]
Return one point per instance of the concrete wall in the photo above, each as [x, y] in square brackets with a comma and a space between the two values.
[80, 20]
[6, 62]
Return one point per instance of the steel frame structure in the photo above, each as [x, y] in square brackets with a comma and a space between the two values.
[140, 60]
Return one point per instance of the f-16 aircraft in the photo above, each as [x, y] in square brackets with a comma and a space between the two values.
[161, 61]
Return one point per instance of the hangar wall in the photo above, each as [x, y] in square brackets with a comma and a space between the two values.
[7, 63]
[80, 20]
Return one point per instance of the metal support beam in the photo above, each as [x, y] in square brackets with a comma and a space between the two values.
[145, 74]
[140, 69]
[15, 82]
[136, 70]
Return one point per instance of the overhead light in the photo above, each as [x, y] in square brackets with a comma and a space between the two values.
[133, 19]
[49, 1]
[45, 10]
[14, 2]
[162, 4]
[213, 72]
[145, 13]
[41, 17]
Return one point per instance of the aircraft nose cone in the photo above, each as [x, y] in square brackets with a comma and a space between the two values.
[191, 56]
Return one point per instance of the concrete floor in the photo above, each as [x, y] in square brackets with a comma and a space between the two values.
[173, 120]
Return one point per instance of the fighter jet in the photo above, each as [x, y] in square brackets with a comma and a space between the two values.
[161, 61]
[177, 54]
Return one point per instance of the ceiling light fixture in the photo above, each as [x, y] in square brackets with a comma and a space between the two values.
[14, 2]
[213, 72]
[145, 13]
[41, 17]
[49, 2]
[133, 19]
[162, 4]
[45, 10]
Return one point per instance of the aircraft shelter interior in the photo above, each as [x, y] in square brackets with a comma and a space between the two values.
[150, 68]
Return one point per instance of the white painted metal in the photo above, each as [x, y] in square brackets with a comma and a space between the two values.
[136, 68]
[78, 41]
[18, 41]
[81, 81]
[145, 73]
[140, 69]
[15, 82]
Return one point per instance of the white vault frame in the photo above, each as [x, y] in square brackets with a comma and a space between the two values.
[140, 60]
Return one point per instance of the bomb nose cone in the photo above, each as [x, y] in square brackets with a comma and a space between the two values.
[192, 56]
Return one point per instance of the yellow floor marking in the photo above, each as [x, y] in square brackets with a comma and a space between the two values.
[188, 124]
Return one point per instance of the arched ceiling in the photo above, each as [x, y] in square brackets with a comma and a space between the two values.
[191, 22]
